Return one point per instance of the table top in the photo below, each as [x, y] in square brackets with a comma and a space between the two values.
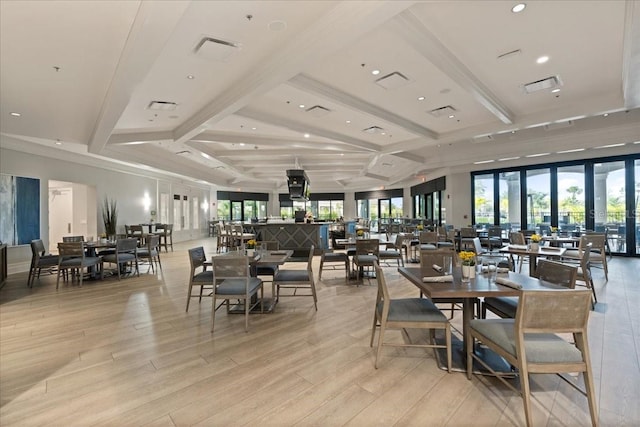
[352, 242]
[270, 257]
[561, 239]
[480, 286]
[525, 250]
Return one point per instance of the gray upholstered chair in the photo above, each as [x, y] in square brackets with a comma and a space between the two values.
[126, 253]
[233, 281]
[549, 271]
[40, 260]
[366, 254]
[407, 313]
[529, 342]
[201, 278]
[151, 252]
[393, 251]
[297, 279]
[165, 231]
[330, 258]
[71, 256]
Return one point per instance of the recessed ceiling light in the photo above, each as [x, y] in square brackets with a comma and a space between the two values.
[375, 72]
[483, 161]
[14, 114]
[254, 128]
[575, 150]
[421, 98]
[58, 142]
[513, 131]
[542, 59]
[383, 133]
[606, 114]
[301, 105]
[538, 155]
[306, 135]
[518, 8]
[191, 77]
[508, 158]
[348, 121]
[609, 146]
[242, 144]
[205, 155]
[555, 90]
[451, 116]
[342, 154]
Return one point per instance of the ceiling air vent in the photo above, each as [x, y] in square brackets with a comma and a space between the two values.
[445, 111]
[373, 129]
[318, 111]
[162, 105]
[393, 80]
[216, 49]
[548, 83]
[559, 125]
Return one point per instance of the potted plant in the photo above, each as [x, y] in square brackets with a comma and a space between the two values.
[554, 232]
[468, 259]
[534, 246]
[110, 217]
[251, 247]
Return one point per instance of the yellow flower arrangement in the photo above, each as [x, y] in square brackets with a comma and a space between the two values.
[360, 232]
[536, 238]
[251, 244]
[420, 227]
[554, 229]
[467, 257]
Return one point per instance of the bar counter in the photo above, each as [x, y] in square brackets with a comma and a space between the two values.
[297, 237]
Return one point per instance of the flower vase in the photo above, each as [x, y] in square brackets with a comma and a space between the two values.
[534, 247]
[554, 235]
[466, 272]
[250, 252]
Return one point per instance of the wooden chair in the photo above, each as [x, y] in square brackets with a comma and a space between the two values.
[407, 313]
[71, 256]
[330, 258]
[151, 252]
[268, 269]
[517, 238]
[297, 279]
[202, 279]
[529, 342]
[467, 234]
[393, 251]
[549, 271]
[165, 231]
[126, 253]
[40, 260]
[366, 254]
[233, 281]
[222, 238]
[440, 262]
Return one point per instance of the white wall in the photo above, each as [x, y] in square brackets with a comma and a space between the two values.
[127, 188]
[457, 199]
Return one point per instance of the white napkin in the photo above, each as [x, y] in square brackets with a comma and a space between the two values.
[485, 269]
[437, 268]
[508, 283]
[437, 279]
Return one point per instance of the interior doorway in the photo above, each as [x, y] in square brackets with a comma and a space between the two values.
[72, 212]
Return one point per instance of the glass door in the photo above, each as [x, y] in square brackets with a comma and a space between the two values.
[609, 203]
[236, 210]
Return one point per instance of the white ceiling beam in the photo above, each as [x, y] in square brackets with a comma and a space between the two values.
[152, 27]
[293, 125]
[631, 55]
[416, 34]
[341, 26]
[139, 138]
[331, 93]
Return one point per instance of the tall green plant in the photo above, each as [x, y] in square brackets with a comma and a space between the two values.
[110, 216]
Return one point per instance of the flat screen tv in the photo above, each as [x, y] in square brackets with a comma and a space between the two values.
[298, 185]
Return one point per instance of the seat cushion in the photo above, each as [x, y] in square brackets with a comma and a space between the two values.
[390, 254]
[123, 257]
[334, 257]
[291, 276]
[365, 259]
[47, 260]
[413, 310]
[204, 276]
[267, 270]
[427, 247]
[539, 348]
[506, 305]
[238, 286]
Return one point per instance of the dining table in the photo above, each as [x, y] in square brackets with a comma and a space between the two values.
[525, 250]
[481, 286]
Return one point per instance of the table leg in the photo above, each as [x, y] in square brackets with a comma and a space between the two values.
[533, 259]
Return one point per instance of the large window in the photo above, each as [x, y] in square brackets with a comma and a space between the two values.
[483, 191]
[510, 212]
[538, 198]
[571, 205]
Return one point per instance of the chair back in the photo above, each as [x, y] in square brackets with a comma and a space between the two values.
[383, 290]
[426, 237]
[367, 247]
[70, 250]
[517, 238]
[160, 227]
[495, 232]
[127, 245]
[477, 246]
[37, 248]
[585, 259]
[553, 312]
[153, 242]
[430, 261]
[598, 241]
[68, 239]
[468, 232]
[310, 261]
[557, 273]
[399, 241]
[230, 267]
[168, 229]
[197, 258]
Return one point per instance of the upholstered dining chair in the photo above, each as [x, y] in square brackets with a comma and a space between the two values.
[151, 252]
[366, 254]
[71, 256]
[549, 271]
[334, 259]
[393, 251]
[296, 279]
[199, 276]
[529, 342]
[407, 313]
[441, 262]
[40, 260]
[232, 281]
[165, 231]
[126, 253]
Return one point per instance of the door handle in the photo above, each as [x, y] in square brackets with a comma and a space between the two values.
[69, 227]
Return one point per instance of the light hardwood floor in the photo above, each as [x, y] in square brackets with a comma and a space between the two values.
[125, 353]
